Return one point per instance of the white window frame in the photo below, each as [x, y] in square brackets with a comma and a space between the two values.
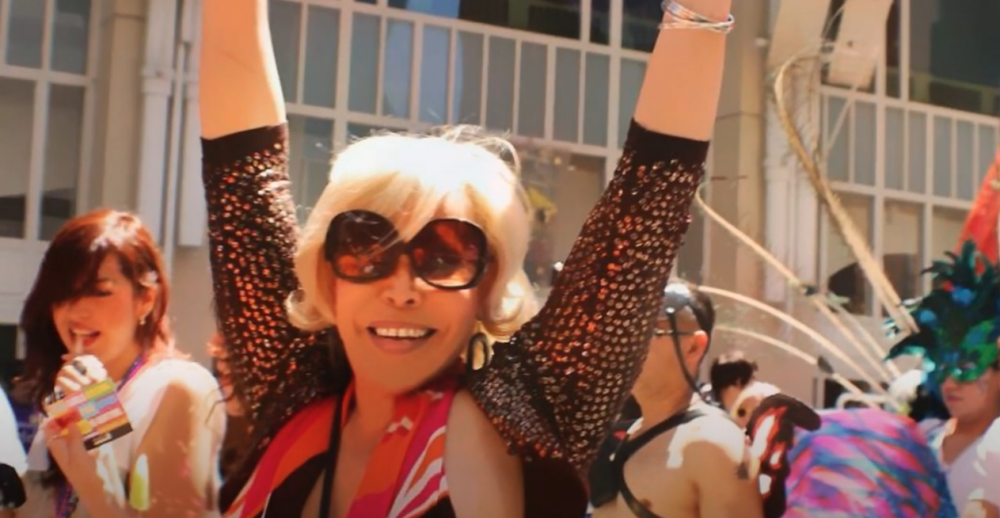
[25, 252]
[44, 78]
[342, 117]
[879, 193]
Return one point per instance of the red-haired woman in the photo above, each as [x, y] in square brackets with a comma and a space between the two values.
[98, 310]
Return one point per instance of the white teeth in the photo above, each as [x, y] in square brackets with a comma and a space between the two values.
[79, 332]
[401, 332]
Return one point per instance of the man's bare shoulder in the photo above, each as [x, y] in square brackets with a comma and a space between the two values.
[715, 429]
[713, 446]
[718, 463]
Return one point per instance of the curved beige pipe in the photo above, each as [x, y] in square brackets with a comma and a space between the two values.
[821, 303]
[883, 289]
[824, 342]
[790, 349]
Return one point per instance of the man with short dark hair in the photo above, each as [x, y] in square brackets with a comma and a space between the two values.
[683, 458]
[730, 373]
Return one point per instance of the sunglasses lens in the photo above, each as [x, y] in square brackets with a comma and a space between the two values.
[362, 245]
[449, 253]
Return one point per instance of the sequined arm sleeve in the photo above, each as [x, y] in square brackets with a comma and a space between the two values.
[252, 234]
[555, 388]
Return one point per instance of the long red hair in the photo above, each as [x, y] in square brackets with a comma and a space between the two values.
[69, 270]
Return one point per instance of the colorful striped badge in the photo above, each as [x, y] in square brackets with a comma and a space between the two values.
[96, 411]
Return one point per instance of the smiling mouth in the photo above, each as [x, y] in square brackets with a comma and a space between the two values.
[398, 338]
[401, 334]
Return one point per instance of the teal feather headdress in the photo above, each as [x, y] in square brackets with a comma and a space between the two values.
[958, 321]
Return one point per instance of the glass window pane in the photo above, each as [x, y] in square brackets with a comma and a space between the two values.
[567, 100]
[843, 276]
[987, 152]
[894, 154]
[893, 40]
[562, 188]
[62, 158]
[552, 17]
[17, 100]
[286, 26]
[468, 81]
[965, 160]
[953, 59]
[70, 36]
[902, 241]
[398, 67]
[434, 75]
[640, 20]
[531, 98]
[500, 84]
[322, 48]
[596, 97]
[838, 157]
[864, 143]
[600, 21]
[633, 73]
[916, 143]
[942, 156]
[25, 30]
[946, 226]
[365, 37]
[310, 154]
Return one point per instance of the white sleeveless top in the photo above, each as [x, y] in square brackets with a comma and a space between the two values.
[974, 474]
[140, 397]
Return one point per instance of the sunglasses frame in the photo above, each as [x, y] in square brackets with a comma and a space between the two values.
[481, 264]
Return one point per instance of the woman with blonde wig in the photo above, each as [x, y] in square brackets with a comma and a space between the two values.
[361, 404]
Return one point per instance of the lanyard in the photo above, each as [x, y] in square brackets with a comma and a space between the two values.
[131, 372]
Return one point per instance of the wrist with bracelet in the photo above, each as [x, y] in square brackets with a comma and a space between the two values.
[680, 17]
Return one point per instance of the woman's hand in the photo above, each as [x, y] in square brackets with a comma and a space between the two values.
[65, 441]
[79, 372]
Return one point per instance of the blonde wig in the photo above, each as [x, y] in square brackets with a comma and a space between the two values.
[406, 178]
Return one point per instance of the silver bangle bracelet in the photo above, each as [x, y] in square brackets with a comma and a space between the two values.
[683, 18]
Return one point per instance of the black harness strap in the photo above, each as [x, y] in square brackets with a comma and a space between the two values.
[625, 450]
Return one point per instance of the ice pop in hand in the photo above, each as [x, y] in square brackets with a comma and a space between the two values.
[138, 493]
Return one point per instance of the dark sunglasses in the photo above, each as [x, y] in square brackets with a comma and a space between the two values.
[448, 253]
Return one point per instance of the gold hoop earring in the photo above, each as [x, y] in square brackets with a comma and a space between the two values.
[478, 343]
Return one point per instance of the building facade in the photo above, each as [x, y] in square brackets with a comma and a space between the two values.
[98, 104]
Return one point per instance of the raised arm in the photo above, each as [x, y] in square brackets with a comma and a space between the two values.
[556, 387]
[238, 82]
[251, 218]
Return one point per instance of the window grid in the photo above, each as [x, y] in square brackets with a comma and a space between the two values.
[44, 78]
[955, 156]
[393, 35]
